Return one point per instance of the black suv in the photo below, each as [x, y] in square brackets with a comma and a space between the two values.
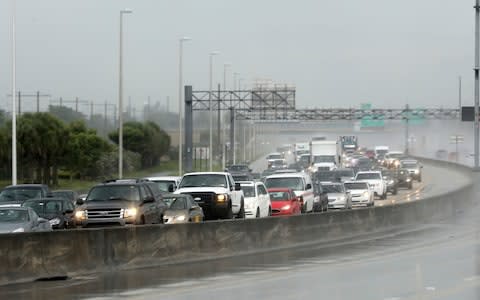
[124, 201]
[320, 202]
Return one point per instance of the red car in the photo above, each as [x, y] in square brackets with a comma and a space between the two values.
[284, 202]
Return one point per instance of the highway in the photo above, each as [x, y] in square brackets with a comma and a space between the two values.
[367, 267]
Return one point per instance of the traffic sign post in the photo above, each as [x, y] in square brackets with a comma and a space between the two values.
[456, 139]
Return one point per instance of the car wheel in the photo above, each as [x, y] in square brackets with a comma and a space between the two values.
[161, 220]
[410, 186]
[420, 179]
[385, 195]
[257, 215]
[395, 191]
[229, 214]
[269, 211]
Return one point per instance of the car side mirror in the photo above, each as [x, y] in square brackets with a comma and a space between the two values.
[225, 170]
[170, 188]
[309, 186]
[238, 187]
[49, 195]
[79, 201]
[148, 199]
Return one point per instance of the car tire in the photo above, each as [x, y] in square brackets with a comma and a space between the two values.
[269, 211]
[229, 214]
[395, 191]
[420, 179]
[410, 186]
[385, 196]
[257, 215]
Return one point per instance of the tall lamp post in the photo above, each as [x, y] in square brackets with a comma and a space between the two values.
[180, 99]
[14, 100]
[222, 143]
[210, 165]
[120, 97]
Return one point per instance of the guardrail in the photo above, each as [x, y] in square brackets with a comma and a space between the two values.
[30, 256]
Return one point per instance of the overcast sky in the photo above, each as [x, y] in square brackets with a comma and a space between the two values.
[336, 52]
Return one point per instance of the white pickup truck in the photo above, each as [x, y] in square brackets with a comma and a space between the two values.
[216, 193]
[376, 182]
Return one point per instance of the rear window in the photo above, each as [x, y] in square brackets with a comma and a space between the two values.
[114, 192]
[356, 186]
[367, 176]
[294, 183]
[279, 196]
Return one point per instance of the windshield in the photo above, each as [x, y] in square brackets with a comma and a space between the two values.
[64, 194]
[179, 204]
[364, 162]
[45, 207]
[274, 156]
[114, 192]
[395, 155]
[410, 165]
[163, 185]
[356, 186]
[214, 180]
[345, 173]
[301, 152]
[248, 191]
[278, 162]
[305, 158]
[20, 194]
[381, 152]
[333, 188]
[324, 159]
[238, 168]
[279, 196]
[13, 215]
[294, 183]
[325, 176]
[367, 176]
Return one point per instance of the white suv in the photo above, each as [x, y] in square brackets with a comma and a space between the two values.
[361, 192]
[300, 183]
[257, 200]
[376, 182]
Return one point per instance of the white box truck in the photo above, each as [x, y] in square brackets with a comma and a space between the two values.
[324, 155]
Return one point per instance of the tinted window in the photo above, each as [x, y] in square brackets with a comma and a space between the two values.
[356, 186]
[248, 191]
[179, 204]
[13, 215]
[333, 188]
[162, 185]
[294, 183]
[216, 180]
[367, 176]
[114, 192]
[262, 190]
[53, 207]
[279, 196]
[20, 194]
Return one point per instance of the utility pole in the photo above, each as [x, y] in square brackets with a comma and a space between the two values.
[460, 94]
[407, 116]
[476, 70]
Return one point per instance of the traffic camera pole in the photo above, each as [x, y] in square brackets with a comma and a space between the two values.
[476, 70]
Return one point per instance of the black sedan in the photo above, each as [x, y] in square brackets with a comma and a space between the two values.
[58, 211]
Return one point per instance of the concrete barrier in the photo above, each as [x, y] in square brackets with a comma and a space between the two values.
[30, 256]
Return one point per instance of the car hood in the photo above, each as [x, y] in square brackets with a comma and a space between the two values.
[109, 204]
[280, 204]
[200, 189]
[357, 192]
[9, 227]
[335, 195]
[171, 213]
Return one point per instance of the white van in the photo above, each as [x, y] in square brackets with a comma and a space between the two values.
[300, 183]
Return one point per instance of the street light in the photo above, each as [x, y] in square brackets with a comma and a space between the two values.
[212, 54]
[14, 100]
[120, 97]
[222, 143]
[180, 99]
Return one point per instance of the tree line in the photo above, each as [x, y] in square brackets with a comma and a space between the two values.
[48, 147]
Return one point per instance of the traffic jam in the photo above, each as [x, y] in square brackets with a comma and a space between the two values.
[310, 177]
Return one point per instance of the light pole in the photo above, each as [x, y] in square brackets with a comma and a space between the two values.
[14, 99]
[225, 66]
[120, 97]
[210, 166]
[180, 99]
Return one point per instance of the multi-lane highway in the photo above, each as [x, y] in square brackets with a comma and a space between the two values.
[397, 264]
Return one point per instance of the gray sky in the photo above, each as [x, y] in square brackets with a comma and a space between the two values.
[336, 52]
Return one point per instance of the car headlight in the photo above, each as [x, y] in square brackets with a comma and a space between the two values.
[21, 229]
[366, 194]
[180, 218]
[396, 163]
[286, 207]
[54, 221]
[417, 171]
[130, 212]
[390, 182]
[80, 215]
[221, 198]
[408, 179]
